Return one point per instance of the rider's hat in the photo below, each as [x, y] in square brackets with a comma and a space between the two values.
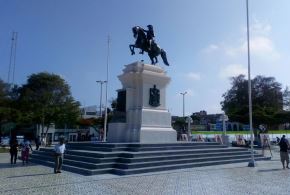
[149, 26]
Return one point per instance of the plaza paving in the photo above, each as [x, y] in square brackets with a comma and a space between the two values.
[267, 178]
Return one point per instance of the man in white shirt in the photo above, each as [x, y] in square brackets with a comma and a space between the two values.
[59, 150]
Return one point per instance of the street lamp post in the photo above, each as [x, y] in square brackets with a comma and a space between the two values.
[183, 94]
[101, 95]
[252, 161]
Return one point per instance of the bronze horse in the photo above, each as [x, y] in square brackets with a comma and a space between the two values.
[143, 44]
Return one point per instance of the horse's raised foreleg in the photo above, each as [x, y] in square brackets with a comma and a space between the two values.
[132, 49]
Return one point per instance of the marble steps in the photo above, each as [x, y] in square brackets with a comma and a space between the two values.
[178, 156]
[116, 145]
[73, 169]
[140, 147]
[168, 156]
[182, 166]
[137, 149]
[77, 163]
[86, 153]
[125, 154]
[134, 159]
[89, 159]
[183, 152]
[158, 162]
[85, 168]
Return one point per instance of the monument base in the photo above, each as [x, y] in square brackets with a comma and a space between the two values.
[157, 135]
[145, 122]
[119, 133]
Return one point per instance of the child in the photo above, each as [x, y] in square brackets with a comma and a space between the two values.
[25, 146]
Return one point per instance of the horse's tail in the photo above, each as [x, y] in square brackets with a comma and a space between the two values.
[164, 58]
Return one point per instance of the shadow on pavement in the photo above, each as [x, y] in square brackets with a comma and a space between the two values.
[18, 164]
[29, 175]
[270, 170]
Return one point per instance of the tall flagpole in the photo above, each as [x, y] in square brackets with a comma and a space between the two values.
[106, 99]
[252, 161]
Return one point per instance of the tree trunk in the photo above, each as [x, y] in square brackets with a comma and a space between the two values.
[43, 139]
[47, 128]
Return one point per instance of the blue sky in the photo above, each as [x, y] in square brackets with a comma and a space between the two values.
[204, 40]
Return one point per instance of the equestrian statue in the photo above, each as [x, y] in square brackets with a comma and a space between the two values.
[145, 42]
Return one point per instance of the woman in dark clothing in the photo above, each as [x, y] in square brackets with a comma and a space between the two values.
[284, 155]
[13, 150]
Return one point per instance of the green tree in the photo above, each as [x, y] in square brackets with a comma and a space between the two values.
[267, 100]
[3, 105]
[3, 100]
[286, 99]
[9, 113]
[179, 124]
[47, 99]
[67, 113]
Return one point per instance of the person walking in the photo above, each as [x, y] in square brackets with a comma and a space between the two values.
[37, 142]
[13, 150]
[284, 146]
[25, 147]
[59, 150]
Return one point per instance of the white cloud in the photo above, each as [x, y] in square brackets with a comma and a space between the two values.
[233, 51]
[193, 76]
[261, 44]
[260, 28]
[211, 47]
[263, 47]
[232, 70]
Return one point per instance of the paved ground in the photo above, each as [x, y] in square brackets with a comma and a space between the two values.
[266, 178]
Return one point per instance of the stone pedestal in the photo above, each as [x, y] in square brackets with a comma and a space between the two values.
[144, 123]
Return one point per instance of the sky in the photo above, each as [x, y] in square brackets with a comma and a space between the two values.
[205, 41]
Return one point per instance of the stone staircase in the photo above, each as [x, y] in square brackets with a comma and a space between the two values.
[134, 158]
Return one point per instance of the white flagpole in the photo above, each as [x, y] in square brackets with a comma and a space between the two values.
[106, 99]
[252, 161]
